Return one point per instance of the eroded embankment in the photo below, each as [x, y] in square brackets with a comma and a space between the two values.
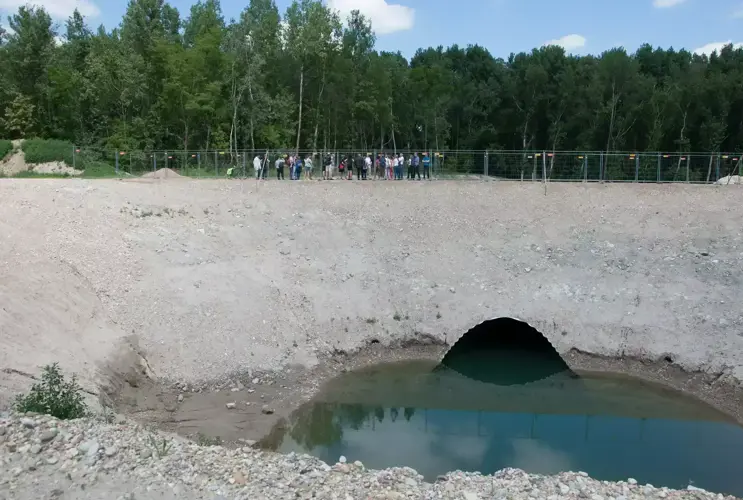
[216, 278]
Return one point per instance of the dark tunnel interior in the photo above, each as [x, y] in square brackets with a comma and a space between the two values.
[505, 351]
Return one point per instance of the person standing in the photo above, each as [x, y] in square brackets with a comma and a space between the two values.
[359, 166]
[257, 166]
[367, 166]
[390, 165]
[415, 163]
[426, 166]
[297, 168]
[280, 168]
[308, 168]
[401, 161]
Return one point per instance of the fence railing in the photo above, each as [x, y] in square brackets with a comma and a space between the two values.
[507, 165]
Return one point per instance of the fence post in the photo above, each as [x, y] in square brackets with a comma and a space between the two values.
[688, 160]
[74, 162]
[601, 166]
[585, 167]
[154, 161]
[637, 168]
[544, 167]
[216, 164]
[116, 153]
[486, 163]
[717, 168]
[243, 167]
[659, 161]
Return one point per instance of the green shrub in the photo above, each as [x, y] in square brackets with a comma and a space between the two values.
[48, 150]
[54, 396]
[5, 148]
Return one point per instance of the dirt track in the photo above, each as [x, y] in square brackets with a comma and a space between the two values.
[212, 278]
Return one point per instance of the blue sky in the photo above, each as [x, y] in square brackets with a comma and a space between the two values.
[502, 26]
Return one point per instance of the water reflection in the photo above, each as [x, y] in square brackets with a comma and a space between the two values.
[435, 419]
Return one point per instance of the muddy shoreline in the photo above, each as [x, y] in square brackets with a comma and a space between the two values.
[246, 408]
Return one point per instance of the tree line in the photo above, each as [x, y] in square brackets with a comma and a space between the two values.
[307, 79]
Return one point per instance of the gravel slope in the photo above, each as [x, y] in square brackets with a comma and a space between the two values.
[85, 459]
[213, 277]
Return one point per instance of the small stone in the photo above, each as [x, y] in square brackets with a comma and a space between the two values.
[111, 451]
[267, 411]
[52, 460]
[231, 406]
[564, 489]
[180, 398]
[358, 464]
[35, 449]
[16, 471]
[632, 481]
[256, 381]
[469, 495]
[342, 460]
[145, 453]
[48, 435]
[238, 478]
[28, 423]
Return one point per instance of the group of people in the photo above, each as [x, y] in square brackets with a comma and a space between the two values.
[384, 166]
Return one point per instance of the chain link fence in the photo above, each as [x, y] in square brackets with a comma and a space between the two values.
[535, 166]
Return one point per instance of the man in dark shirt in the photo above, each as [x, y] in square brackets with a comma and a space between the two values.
[416, 163]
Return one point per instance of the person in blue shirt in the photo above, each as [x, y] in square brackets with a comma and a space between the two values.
[415, 163]
[298, 168]
[426, 166]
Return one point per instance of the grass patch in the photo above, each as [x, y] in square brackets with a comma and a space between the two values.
[48, 150]
[99, 170]
[54, 395]
[371, 321]
[397, 316]
[204, 440]
[6, 147]
[30, 174]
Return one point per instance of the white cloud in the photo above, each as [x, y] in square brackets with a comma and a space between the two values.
[59, 9]
[385, 17]
[664, 4]
[568, 42]
[715, 47]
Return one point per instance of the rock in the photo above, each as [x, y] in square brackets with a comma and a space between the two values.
[342, 460]
[256, 381]
[111, 451]
[267, 411]
[632, 481]
[35, 449]
[52, 460]
[238, 478]
[180, 398]
[145, 453]
[231, 406]
[564, 489]
[47, 436]
[469, 495]
[28, 423]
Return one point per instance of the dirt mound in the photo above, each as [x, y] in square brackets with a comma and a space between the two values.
[163, 173]
[730, 179]
[16, 164]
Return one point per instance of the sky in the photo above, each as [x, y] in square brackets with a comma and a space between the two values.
[501, 26]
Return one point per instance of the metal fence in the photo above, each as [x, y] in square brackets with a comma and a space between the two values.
[507, 165]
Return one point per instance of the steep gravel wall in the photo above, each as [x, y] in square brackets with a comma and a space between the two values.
[214, 277]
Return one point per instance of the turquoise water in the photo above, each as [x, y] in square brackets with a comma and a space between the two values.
[439, 418]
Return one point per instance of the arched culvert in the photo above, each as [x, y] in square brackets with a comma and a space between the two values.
[505, 351]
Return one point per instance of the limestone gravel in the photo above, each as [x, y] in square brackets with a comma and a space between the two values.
[91, 458]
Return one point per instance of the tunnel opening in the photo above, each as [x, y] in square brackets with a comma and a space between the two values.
[505, 351]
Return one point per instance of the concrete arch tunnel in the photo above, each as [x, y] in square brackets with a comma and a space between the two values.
[505, 351]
